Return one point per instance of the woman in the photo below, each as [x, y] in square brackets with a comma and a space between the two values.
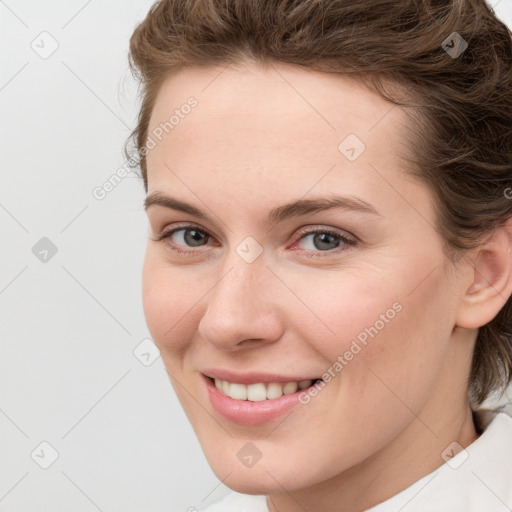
[328, 273]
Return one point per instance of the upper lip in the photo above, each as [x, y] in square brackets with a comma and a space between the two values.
[251, 377]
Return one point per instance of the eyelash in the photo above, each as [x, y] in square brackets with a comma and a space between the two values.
[302, 235]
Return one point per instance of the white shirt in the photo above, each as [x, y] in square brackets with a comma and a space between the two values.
[477, 479]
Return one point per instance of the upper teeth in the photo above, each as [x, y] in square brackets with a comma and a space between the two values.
[259, 391]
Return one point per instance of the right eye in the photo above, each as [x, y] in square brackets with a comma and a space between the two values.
[188, 235]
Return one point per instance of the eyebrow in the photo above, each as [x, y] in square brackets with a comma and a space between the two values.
[279, 214]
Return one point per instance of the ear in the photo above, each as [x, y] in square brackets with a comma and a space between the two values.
[490, 280]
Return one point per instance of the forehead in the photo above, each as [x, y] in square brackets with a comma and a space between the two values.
[278, 122]
[252, 100]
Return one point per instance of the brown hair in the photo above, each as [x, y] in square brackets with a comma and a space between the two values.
[461, 134]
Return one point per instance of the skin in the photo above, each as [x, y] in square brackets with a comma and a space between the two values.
[259, 138]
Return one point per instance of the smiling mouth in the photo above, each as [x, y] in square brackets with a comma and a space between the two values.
[260, 391]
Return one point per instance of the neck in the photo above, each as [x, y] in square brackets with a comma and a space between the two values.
[414, 454]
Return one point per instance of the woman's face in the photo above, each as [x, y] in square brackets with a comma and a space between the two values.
[247, 291]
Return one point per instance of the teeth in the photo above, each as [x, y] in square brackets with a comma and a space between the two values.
[274, 390]
[238, 391]
[290, 387]
[255, 392]
[259, 392]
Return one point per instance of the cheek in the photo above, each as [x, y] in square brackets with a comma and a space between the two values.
[390, 335]
[392, 306]
[168, 301]
[347, 305]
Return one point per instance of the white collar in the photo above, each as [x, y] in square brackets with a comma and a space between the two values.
[476, 479]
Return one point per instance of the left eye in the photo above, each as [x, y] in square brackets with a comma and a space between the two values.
[325, 240]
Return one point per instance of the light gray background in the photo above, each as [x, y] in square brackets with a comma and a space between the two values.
[69, 325]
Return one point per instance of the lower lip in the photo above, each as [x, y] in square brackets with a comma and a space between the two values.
[246, 412]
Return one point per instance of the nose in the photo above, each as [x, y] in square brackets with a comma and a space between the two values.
[242, 308]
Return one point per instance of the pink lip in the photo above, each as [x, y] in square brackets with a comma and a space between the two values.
[245, 412]
[252, 377]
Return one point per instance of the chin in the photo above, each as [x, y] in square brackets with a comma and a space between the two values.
[262, 478]
[246, 481]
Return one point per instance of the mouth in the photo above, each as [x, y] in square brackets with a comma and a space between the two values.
[259, 391]
[256, 403]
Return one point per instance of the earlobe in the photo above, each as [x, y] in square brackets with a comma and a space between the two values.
[491, 280]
